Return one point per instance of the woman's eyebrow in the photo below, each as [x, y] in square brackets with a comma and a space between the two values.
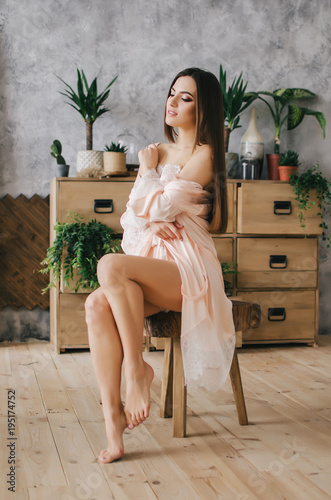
[183, 92]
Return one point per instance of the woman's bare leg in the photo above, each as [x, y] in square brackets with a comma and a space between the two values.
[107, 356]
[128, 282]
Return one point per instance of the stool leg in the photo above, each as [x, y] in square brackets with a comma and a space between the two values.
[238, 390]
[179, 392]
[167, 380]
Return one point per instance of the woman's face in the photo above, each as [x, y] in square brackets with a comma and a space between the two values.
[181, 104]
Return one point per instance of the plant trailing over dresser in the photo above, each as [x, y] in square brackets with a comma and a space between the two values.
[78, 247]
[303, 184]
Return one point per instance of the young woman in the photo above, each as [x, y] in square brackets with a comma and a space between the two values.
[170, 261]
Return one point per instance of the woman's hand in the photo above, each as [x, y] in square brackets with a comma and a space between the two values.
[167, 230]
[148, 158]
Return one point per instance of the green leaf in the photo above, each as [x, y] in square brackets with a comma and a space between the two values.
[296, 114]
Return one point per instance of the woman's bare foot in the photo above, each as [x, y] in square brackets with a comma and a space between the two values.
[115, 426]
[138, 399]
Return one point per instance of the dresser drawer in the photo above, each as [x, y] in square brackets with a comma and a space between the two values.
[102, 200]
[266, 207]
[277, 262]
[224, 249]
[72, 326]
[286, 316]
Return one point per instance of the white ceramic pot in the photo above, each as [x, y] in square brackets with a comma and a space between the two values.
[89, 163]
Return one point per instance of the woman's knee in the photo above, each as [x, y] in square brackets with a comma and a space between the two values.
[95, 304]
[111, 270]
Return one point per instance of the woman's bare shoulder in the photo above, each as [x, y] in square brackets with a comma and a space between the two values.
[200, 166]
[204, 151]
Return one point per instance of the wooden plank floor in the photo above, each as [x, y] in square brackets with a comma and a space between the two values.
[285, 452]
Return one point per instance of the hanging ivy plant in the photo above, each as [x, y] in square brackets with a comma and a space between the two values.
[79, 246]
[302, 185]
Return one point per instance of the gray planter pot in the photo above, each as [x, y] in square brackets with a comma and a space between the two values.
[62, 170]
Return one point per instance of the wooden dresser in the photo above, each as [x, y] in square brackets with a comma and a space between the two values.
[277, 264]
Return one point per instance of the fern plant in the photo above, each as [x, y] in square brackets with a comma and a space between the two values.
[302, 185]
[76, 251]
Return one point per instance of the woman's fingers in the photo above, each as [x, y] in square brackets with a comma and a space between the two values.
[166, 230]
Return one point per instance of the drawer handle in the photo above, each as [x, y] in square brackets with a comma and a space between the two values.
[278, 261]
[276, 314]
[100, 205]
[282, 207]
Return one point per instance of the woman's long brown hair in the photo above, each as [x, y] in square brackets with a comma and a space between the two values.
[209, 130]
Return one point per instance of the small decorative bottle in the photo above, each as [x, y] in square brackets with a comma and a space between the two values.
[252, 145]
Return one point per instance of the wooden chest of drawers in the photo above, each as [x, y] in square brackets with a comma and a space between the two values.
[277, 263]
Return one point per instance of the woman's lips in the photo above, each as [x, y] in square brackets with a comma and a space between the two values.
[171, 113]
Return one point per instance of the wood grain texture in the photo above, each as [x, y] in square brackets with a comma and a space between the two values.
[283, 454]
[24, 239]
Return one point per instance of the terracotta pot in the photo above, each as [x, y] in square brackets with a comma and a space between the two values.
[272, 160]
[285, 172]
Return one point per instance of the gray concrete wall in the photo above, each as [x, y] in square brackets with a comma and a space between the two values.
[279, 43]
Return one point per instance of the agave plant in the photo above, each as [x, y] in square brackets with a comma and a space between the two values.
[289, 158]
[283, 109]
[87, 102]
[235, 100]
[116, 148]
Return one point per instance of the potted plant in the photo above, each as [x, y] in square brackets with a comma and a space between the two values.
[62, 169]
[90, 105]
[76, 251]
[312, 180]
[114, 159]
[284, 110]
[235, 101]
[288, 164]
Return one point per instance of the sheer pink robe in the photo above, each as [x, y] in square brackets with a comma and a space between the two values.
[207, 330]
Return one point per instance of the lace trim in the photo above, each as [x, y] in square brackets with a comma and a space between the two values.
[207, 360]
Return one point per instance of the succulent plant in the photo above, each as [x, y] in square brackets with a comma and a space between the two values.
[116, 148]
[56, 150]
[289, 158]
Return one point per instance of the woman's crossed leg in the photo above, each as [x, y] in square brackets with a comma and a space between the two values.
[131, 288]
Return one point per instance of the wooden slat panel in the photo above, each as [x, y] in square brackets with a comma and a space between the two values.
[24, 239]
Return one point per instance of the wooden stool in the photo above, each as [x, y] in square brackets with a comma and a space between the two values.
[173, 394]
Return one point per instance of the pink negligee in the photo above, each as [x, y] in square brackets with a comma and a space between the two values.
[207, 330]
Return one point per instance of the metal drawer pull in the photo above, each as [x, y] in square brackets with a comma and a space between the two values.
[278, 261]
[276, 314]
[100, 205]
[282, 207]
